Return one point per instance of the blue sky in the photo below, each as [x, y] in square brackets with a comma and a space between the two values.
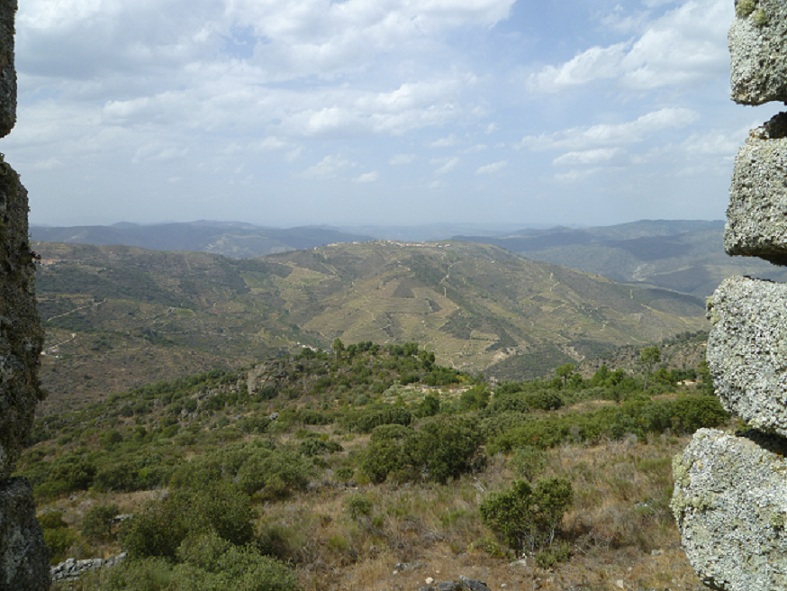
[289, 112]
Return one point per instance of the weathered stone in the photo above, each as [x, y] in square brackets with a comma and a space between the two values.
[757, 213]
[730, 502]
[7, 69]
[21, 336]
[757, 52]
[24, 560]
[747, 350]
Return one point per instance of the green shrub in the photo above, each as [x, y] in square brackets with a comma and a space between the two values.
[274, 473]
[543, 400]
[162, 526]
[693, 412]
[314, 446]
[236, 568]
[429, 406]
[549, 557]
[97, 523]
[444, 447]
[385, 453]
[475, 398]
[358, 505]
[505, 401]
[526, 517]
[366, 421]
[58, 536]
[528, 461]
[74, 471]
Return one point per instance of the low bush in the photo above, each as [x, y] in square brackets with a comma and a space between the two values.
[160, 528]
[526, 517]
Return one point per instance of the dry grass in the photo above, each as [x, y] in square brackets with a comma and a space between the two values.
[620, 528]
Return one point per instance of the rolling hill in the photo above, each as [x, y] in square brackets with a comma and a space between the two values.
[684, 256]
[119, 317]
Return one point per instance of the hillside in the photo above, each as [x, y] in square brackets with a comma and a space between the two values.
[372, 467]
[119, 317]
[684, 256]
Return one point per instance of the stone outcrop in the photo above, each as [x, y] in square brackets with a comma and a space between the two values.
[7, 69]
[759, 62]
[747, 351]
[730, 496]
[24, 561]
[21, 336]
[757, 214]
[71, 568]
[731, 504]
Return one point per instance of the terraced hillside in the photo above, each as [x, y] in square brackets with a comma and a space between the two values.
[120, 317]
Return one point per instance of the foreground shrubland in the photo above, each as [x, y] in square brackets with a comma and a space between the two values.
[372, 467]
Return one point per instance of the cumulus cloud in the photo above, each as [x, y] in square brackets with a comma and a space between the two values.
[684, 45]
[596, 63]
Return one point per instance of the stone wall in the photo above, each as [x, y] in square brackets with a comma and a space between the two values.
[24, 563]
[730, 496]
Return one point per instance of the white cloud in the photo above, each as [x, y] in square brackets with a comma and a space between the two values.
[713, 143]
[630, 132]
[685, 45]
[367, 177]
[577, 175]
[587, 157]
[596, 63]
[328, 168]
[445, 142]
[447, 166]
[492, 168]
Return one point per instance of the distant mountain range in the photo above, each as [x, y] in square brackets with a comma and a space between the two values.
[685, 256]
[119, 316]
[231, 239]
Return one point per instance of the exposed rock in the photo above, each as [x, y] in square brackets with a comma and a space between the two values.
[7, 70]
[747, 350]
[71, 568]
[730, 502]
[758, 57]
[757, 214]
[21, 336]
[24, 560]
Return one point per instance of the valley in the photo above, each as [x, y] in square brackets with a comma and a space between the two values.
[118, 317]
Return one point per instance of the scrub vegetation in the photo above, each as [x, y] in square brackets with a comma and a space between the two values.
[373, 467]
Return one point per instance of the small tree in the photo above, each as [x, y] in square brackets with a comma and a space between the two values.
[649, 357]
